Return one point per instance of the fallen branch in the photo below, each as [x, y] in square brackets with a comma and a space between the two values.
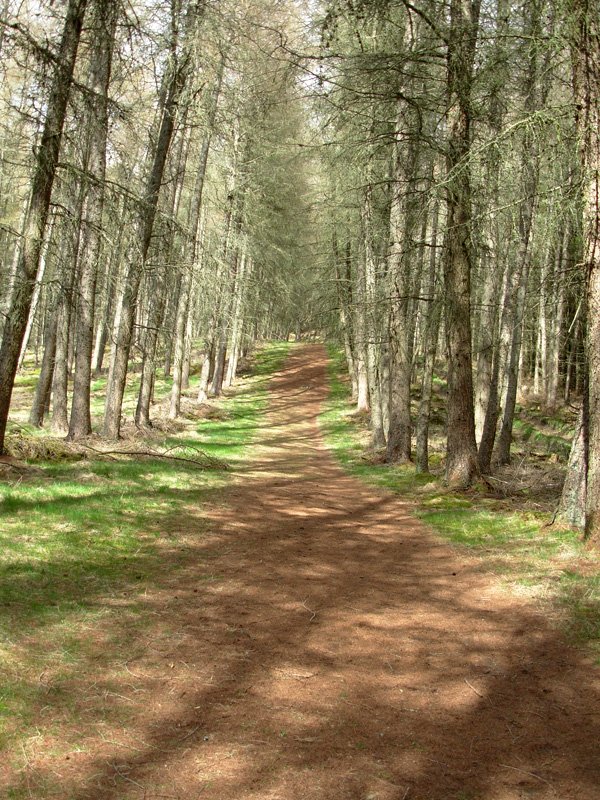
[470, 685]
[209, 461]
[314, 613]
[525, 772]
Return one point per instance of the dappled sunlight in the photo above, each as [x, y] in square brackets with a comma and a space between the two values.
[305, 637]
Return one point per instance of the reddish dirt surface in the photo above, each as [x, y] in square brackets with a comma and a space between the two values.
[323, 645]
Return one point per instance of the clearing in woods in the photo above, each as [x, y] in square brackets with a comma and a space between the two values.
[336, 650]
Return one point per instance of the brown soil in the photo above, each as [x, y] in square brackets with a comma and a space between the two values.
[323, 645]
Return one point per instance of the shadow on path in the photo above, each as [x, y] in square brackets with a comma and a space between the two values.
[320, 643]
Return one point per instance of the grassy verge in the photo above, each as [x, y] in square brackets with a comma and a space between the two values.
[76, 538]
[548, 564]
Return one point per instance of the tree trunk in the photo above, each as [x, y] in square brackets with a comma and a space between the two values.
[204, 378]
[556, 326]
[571, 509]
[431, 335]
[183, 311]
[173, 297]
[216, 386]
[105, 19]
[103, 328]
[344, 292]
[362, 378]
[512, 372]
[44, 382]
[37, 291]
[371, 322]
[60, 418]
[37, 213]
[500, 363]
[192, 250]
[461, 461]
[157, 285]
[585, 47]
[237, 321]
[529, 180]
[187, 352]
[154, 322]
[124, 334]
[487, 352]
[493, 262]
[402, 213]
[176, 81]
[233, 229]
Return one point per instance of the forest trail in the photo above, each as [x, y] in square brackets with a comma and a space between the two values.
[325, 646]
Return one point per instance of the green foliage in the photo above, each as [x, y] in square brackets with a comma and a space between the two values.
[547, 442]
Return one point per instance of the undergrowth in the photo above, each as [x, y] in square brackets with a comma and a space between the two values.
[80, 541]
[548, 564]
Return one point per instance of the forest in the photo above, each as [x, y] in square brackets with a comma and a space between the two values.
[299, 297]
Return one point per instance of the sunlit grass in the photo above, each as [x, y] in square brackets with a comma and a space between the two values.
[81, 533]
[557, 443]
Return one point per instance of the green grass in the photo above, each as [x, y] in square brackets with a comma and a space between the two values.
[549, 564]
[547, 442]
[82, 533]
[347, 436]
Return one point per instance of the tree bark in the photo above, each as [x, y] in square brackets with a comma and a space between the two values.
[204, 379]
[231, 254]
[44, 382]
[571, 509]
[60, 413]
[555, 348]
[105, 24]
[402, 220]
[37, 213]
[176, 80]
[585, 47]
[344, 292]
[157, 284]
[371, 317]
[431, 335]
[529, 180]
[237, 319]
[493, 262]
[192, 249]
[362, 378]
[461, 459]
[39, 278]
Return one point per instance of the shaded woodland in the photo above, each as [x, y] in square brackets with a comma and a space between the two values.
[418, 181]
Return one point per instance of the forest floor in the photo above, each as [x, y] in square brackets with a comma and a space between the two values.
[305, 636]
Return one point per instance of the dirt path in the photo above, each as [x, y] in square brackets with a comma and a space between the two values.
[324, 646]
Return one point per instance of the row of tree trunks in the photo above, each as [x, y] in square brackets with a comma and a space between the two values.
[34, 227]
[157, 279]
[512, 266]
[176, 77]
[192, 251]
